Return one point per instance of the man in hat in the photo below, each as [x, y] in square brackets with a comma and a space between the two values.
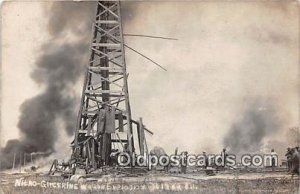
[288, 156]
[296, 161]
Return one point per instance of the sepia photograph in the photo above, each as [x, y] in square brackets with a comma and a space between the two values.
[149, 96]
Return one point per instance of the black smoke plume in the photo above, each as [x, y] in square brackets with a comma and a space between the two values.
[246, 135]
[57, 70]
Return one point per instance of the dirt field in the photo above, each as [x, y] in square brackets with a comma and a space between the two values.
[29, 183]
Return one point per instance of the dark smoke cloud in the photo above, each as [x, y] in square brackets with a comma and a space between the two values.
[57, 70]
[258, 121]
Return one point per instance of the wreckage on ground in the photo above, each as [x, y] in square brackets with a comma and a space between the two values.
[104, 125]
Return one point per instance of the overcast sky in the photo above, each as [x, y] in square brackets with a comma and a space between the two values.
[229, 55]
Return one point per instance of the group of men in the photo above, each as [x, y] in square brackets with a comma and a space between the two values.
[293, 160]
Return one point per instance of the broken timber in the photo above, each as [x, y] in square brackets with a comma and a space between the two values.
[104, 120]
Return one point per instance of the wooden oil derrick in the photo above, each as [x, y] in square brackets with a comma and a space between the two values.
[104, 119]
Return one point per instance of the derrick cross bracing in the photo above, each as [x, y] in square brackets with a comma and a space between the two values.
[104, 120]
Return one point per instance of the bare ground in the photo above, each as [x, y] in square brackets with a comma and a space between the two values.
[34, 183]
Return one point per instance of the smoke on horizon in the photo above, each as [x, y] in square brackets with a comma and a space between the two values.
[248, 133]
[57, 70]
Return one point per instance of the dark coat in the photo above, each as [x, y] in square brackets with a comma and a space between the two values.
[296, 160]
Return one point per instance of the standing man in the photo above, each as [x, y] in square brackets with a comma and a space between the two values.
[274, 159]
[114, 157]
[184, 162]
[205, 160]
[295, 161]
[288, 156]
[224, 157]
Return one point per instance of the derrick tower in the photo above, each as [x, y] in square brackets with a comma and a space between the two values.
[104, 119]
